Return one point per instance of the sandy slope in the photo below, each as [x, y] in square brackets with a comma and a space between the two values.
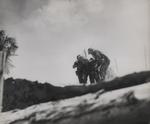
[128, 105]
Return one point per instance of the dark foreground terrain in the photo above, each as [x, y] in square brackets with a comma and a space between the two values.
[124, 106]
[21, 93]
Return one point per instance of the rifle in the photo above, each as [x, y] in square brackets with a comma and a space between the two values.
[85, 54]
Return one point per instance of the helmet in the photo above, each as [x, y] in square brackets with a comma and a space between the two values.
[90, 50]
[78, 56]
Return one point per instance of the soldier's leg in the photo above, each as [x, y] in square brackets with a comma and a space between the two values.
[97, 77]
[104, 70]
[91, 77]
[100, 72]
[80, 77]
[84, 75]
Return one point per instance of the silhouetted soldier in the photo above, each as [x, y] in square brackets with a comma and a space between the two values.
[82, 69]
[101, 64]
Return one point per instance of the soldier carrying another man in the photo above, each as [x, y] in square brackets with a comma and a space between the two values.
[101, 63]
[95, 67]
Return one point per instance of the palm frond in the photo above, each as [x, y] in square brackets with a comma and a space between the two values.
[8, 66]
[8, 45]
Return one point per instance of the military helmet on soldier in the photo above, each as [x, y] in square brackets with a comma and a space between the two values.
[90, 50]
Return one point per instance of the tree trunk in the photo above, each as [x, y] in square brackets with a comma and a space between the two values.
[2, 67]
[118, 83]
[23, 93]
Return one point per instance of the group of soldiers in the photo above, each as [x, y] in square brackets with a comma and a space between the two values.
[94, 67]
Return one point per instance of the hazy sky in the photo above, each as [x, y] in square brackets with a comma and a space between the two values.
[50, 33]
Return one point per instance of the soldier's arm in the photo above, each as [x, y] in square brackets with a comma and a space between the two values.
[75, 64]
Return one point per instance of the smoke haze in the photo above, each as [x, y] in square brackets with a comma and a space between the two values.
[51, 33]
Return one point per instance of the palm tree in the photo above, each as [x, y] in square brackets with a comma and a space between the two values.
[8, 47]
